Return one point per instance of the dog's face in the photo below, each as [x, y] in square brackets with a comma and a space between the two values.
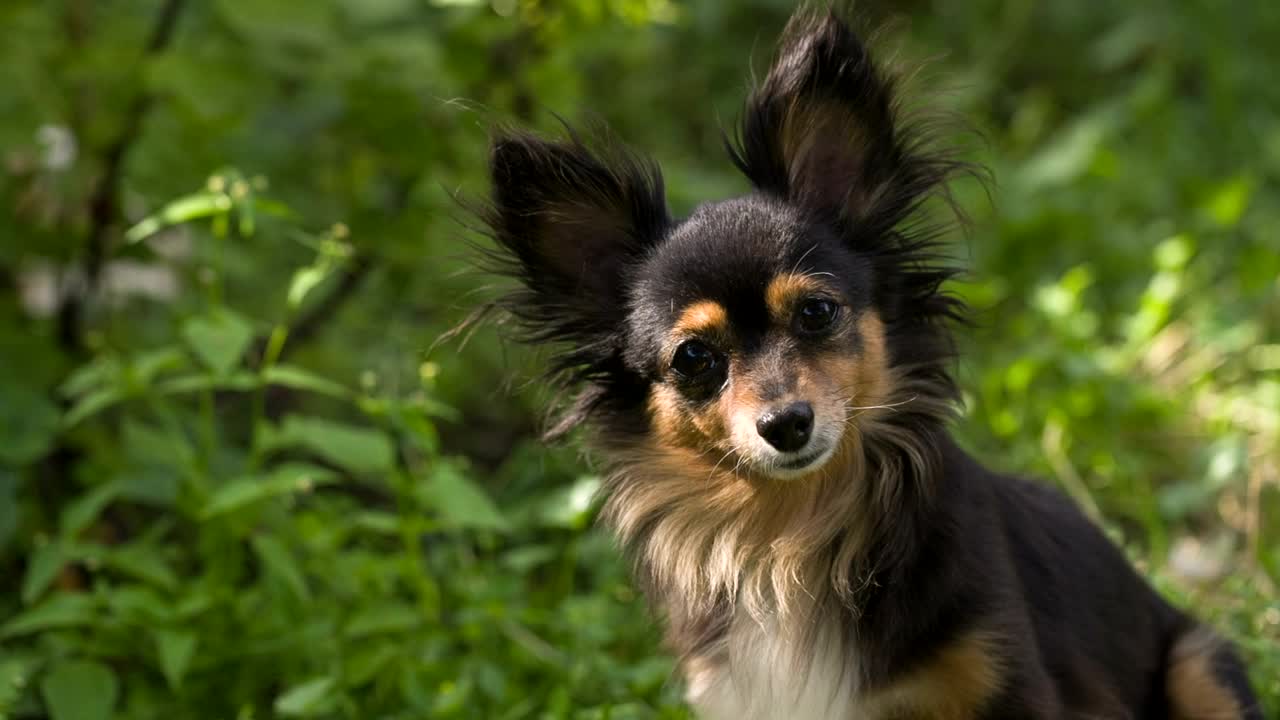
[756, 331]
[757, 328]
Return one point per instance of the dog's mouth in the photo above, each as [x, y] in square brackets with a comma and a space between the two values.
[806, 461]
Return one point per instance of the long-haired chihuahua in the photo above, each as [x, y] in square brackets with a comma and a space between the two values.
[768, 381]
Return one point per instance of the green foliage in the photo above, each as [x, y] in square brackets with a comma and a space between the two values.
[239, 479]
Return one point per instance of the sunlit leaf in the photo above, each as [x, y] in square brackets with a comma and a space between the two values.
[191, 207]
[570, 506]
[304, 281]
[1228, 202]
[306, 699]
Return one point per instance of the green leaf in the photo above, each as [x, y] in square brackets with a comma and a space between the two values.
[92, 404]
[102, 370]
[218, 339]
[239, 381]
[45, 564]
[284, 480]
[190, 207]
[281, 22]
[60, 611]
[8, 507]
[364, 664]
[570, 506]
[304, 281]
[355, 448]
[1069, 154]
[145, 367]
[147, 445]
[138, 605]
[382, 619]
[279, 563]
[143, 562]
[79, 690]
[459, 501]
[174, 649]
[29, 422]
[15, 673]
[1229, 201]
[306, 699]
[376, 521]
[291, 376]
[81, 512]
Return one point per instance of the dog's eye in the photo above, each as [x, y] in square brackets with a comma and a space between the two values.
[693, 359]
[816, 315]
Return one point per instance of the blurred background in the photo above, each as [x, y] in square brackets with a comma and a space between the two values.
[240, 479]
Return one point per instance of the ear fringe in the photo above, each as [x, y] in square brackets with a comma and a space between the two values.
[821, 65]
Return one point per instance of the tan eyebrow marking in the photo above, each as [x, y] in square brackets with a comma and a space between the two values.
[785, 289]
[703, 316]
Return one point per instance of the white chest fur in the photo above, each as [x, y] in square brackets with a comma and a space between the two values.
[762, 673]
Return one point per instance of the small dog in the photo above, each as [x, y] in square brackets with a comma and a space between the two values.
[768, 381]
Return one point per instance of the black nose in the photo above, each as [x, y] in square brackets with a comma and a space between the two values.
[788, 428]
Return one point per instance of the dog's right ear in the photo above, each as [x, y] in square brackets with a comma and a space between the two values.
[570, 224]
[823, 131]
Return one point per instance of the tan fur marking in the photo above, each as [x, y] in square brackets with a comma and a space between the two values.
[702, 317]
[1194, 691]
[670, 421]
[864, 376]
[953, 685]
[784, 290]
[875, 383]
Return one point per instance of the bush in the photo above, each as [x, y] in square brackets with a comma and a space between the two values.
[241, 478]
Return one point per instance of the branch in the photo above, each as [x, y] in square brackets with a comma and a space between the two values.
[104, 202]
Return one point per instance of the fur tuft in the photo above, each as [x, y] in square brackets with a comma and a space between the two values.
[1206, 682]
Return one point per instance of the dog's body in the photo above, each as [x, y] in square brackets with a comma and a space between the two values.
[768, 382]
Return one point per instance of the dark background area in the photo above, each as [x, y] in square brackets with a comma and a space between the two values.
[240, 477]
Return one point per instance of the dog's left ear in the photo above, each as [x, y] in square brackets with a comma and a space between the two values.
[822, 130]
[570, 223]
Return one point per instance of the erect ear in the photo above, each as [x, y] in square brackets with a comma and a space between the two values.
[572, 224]
[822, 130]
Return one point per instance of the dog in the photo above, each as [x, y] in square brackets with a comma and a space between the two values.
[768, 382]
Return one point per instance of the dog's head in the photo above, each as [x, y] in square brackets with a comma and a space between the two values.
[762, 332]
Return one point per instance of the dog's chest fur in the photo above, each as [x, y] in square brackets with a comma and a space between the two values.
[760, 671]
